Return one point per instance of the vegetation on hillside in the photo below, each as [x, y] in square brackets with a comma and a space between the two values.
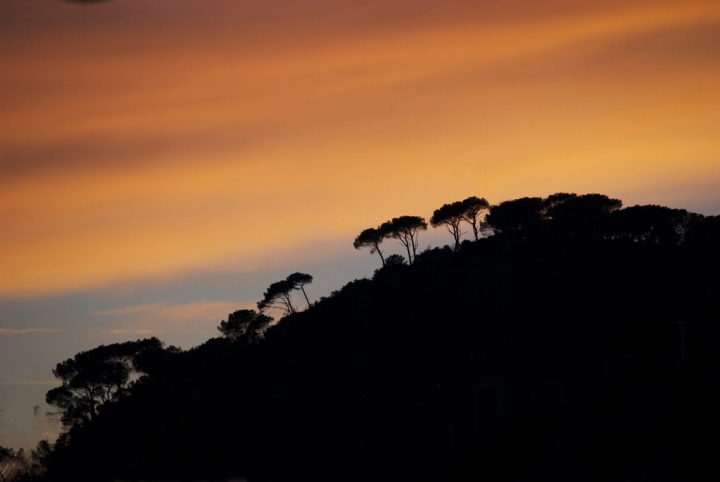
[575, 340]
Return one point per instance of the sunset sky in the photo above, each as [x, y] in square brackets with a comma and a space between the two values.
[163, 161]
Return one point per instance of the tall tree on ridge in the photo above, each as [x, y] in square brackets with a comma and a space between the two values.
[300, 280]
[472, 212]
[450, 216]
[278, 296]
[371, 238]
[406, 229]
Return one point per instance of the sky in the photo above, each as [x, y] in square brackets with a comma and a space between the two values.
[163, 161]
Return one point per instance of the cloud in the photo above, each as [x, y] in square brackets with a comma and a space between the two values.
[23, 331]
[164, 317]
[132, 332]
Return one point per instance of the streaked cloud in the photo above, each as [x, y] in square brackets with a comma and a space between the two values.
[132, 332]
[155, 318]
[25, 331]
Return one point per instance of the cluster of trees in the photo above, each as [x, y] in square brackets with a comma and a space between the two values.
[379, 374]
[568, 213]
[90, 380]
[470, 210]
[404, 228]
[249, 326]
[576, 214]
[279, 294]
[595, 215]
[95, 377]
[105, 374]
[245, 326]
[407, 228]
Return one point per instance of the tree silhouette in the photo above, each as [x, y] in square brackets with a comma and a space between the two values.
[556, 199]
[245, 326]
[300, 280]
[704, 232]
[406, 229]
[278, 296]
[95, 377]
[651, 223]
[588, 214]
[473, 207]
[450, 216]
[396, 260]
[371, 238]
[516, 215]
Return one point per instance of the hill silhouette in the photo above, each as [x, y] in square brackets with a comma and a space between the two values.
[579, 342]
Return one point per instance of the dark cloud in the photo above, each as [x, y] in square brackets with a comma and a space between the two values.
[120, 152]
[91, 153]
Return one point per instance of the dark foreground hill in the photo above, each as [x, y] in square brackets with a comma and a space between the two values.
[534, 354]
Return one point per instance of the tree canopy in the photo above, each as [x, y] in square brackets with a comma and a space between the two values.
[651, 223]
[299, 280]
[245, 326]
[450, 216]
[588, 214]
[516, 215]
[469, 210]
[278, 296]
[473, 209]
[371, 238]
[396, 260]
[406, 230]
[95, 377]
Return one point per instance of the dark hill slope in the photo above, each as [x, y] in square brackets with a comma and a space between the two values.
[383, 372]
[536, 357]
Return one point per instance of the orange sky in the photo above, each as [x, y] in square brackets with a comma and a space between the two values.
[146, 137]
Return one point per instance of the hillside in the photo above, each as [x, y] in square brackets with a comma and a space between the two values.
[566, 348]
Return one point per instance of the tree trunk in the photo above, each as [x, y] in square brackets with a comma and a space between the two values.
[382, 258]
[305, 294]
[407, 246]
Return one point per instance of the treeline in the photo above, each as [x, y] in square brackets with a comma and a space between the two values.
[406, 229]
[566, 213]
[387, 378]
